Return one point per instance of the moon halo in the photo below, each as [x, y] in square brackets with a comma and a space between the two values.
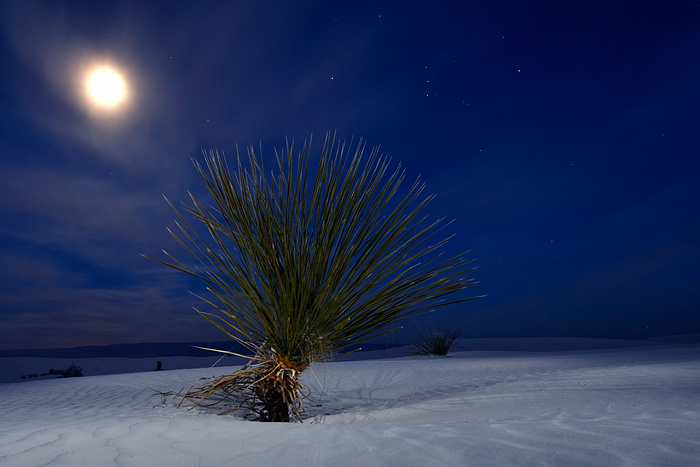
[105, 87]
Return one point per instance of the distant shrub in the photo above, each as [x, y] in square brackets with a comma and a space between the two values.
[73, 371]
[435, 342]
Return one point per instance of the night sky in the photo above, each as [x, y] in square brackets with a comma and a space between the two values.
[562, 136]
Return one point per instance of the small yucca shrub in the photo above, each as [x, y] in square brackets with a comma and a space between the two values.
[73, 371]
[435, 342]
[305, 264]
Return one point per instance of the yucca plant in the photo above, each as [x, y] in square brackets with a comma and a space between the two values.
[435, 342]
[303, 265]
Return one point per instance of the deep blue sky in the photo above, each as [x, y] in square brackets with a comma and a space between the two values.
[562, 136]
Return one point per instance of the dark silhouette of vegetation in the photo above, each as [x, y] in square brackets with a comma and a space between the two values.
[435, 342]
[304, 264]
[73, 371]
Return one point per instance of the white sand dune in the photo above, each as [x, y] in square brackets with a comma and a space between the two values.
[636, 406]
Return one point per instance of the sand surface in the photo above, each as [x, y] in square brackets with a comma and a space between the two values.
[636, 406]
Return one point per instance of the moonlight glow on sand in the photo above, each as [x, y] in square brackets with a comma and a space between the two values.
[105, 87]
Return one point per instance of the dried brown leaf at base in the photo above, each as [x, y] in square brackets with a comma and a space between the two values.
[263, 390]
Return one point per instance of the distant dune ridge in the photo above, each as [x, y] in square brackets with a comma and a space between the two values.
[143, 350]
[553, 402]
[189, 349]
[126, 358]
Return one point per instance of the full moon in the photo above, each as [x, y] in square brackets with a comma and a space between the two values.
[106, 87]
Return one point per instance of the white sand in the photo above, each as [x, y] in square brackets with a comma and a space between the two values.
[617, 406]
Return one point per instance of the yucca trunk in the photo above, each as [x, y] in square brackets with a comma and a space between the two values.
[274, 406]
[278, 391]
